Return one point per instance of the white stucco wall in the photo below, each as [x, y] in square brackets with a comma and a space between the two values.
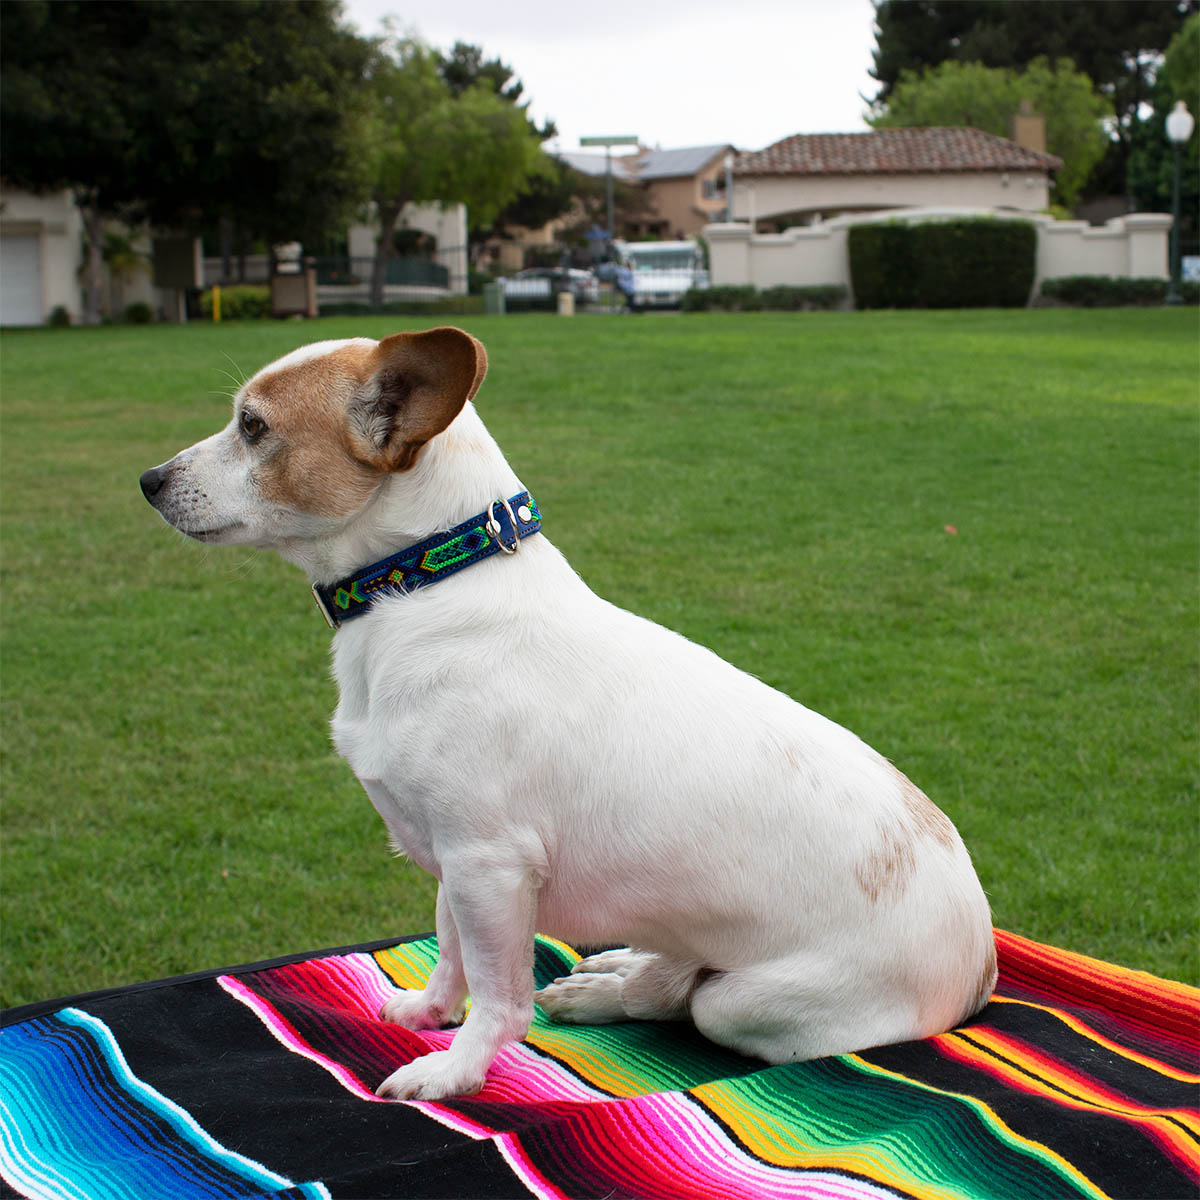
[762, 198]
[447, 225]
[54, 221]
[1131, 246]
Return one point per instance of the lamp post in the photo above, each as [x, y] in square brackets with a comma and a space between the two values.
[1180, 124]
[728, 186]
[608, 143]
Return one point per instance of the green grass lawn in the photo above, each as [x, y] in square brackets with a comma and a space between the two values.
[776, 486]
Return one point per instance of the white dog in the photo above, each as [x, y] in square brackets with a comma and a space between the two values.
[562, 765]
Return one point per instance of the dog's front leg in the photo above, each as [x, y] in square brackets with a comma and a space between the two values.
[492, 910]
[443, 999]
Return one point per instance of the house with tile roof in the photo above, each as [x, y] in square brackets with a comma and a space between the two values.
[810, 177]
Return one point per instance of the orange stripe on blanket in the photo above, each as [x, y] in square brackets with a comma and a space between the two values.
[1139, 998]
[1084, 1030]
[1027, 1069]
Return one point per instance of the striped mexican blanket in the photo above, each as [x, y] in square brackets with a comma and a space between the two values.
[1078, 1080]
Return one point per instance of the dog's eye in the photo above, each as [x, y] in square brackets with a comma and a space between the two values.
[253, 427]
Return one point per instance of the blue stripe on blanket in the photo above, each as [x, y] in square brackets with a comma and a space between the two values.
[109, 1134]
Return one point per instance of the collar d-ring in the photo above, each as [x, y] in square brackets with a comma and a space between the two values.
[492, 528]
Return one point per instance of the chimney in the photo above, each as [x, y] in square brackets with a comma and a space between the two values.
[1028, 128]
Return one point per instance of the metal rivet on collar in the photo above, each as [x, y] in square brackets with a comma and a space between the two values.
[524, 513]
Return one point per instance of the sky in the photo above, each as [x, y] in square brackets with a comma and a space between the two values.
[674, 74]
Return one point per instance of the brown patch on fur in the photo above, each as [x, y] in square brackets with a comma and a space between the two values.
[927, 819]
[338, 420]
[308, 459]
[884, 873]
[886, 870]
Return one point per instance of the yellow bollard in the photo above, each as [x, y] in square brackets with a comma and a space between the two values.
[216, 299]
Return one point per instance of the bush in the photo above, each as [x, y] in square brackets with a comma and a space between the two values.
[721, 299]
[241, 303]
[883, 265]
[1108, 291]
[969, 263]
[786, 298]
[782, 298]
[138, 313]
[59, 318]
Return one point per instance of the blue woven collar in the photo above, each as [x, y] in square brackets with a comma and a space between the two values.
[500, 529]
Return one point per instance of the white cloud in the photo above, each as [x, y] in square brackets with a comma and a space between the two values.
[748, 73]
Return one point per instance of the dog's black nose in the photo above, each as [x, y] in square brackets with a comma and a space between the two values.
[151, 481]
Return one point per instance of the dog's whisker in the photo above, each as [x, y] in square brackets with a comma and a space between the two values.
[245, 567]
[240, 377]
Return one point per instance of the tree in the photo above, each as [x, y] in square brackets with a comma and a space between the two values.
[1116, 43]
[967, 93]
[181, 114]
[433, 145]
[1152, 158]
[465, 67]
[548, 191]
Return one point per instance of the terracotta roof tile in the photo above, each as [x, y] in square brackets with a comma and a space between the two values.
[893, 152]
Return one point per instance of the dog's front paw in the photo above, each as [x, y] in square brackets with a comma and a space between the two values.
[583, 999]
[435, 1076]
[414, 1010]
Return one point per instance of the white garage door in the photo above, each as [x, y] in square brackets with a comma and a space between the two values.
[20, 280]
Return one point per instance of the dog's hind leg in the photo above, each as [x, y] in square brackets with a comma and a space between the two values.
[797, 1009]
[620, 985]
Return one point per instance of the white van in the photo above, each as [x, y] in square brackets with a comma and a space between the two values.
[662, 271]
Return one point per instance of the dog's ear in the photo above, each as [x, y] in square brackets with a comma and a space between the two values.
[418, 384]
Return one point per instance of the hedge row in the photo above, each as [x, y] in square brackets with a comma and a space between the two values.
[243, 302]
[782, 298]
[1108, 291]
[968, 263]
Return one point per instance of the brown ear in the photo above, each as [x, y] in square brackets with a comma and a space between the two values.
[419, 383]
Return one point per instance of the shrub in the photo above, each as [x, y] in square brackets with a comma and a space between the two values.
[1108, 291]
[883, 266]
[969, 263]
[241, 303]
[138, 313]
[787, 298]
[782, 298]
[743, 298]
[59, 318]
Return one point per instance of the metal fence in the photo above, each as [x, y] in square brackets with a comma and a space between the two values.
[401, 272]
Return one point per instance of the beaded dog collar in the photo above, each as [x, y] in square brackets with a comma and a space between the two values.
[499, 530]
